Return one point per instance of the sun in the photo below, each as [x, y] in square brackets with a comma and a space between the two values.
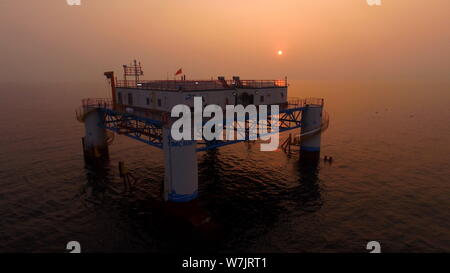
[280, 52]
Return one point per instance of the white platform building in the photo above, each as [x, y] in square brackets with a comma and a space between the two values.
[163, 95]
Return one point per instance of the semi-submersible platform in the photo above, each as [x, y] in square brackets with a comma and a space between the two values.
[140, 109]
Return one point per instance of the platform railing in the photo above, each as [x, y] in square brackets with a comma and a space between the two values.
[192, 85]
[90, 104]
[302, 102]
[96, 102]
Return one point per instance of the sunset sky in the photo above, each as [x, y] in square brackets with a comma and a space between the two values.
[49, 41]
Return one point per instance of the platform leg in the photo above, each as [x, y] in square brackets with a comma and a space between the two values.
[95, 146]
[181, 171]
[311, 120]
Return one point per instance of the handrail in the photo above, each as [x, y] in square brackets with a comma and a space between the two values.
[90, 104]
[192, 85]
[96, 102]
[302, 102]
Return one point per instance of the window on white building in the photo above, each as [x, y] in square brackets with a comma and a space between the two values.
[130, 99]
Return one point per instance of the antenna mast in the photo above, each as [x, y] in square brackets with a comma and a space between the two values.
[134, 69]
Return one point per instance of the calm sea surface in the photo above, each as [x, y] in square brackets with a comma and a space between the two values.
[389, 182]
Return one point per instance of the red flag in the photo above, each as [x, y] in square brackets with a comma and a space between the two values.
[179, 71]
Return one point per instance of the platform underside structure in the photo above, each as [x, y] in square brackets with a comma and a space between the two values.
[147, 126]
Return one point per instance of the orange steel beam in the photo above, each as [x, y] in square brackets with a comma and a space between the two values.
[110, 75]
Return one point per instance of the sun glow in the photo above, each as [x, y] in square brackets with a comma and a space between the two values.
[280, 52]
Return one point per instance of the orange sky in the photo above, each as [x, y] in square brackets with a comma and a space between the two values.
[47, 40]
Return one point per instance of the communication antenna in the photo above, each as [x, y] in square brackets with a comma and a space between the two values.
[134, 69]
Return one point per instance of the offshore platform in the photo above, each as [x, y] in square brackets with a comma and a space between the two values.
[140, 109]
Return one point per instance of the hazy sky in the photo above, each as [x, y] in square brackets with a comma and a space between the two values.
[47, 40]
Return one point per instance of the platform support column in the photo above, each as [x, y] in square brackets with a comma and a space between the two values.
[95, 145]
[311, 121]
[181, 171]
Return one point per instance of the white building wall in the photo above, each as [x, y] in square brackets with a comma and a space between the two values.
[165, 100]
